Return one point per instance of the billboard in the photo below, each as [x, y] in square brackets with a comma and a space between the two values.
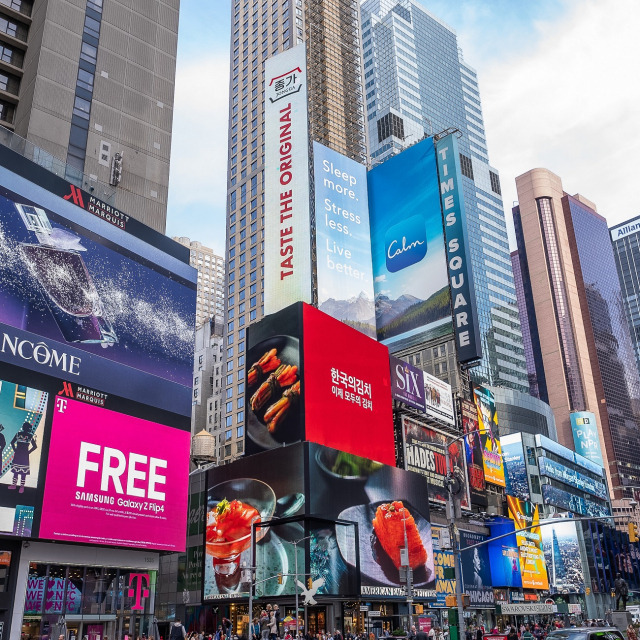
[424, 452]
[488, 425]
[343, 240]
[314, 378]
[562, 555]
[573, 502]
[438, 399]
[503, 554]
[407, 246]
[83, 300]
[473, 449]
[118, 480]
[476, 571]
[563, 452]
[573, 478]
[287, 258]
[407, 383]
[585, 436]
[442, 560]
[515, 466]
[532, 564]
[22, 430]
[465, 313]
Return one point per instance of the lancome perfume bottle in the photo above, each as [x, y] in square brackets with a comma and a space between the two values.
[56, 262]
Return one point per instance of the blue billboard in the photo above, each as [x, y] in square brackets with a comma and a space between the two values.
[562, 556]
[476, 570]
[515, 466]
[343, 240]
[407, 247]
[585, 436]
[465, 313]
[504, 556]
[572, 502]
[551, 445]
[573, 478]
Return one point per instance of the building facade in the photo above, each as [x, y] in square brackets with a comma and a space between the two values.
[92, 84]
[416, 84]
[583, 341]
[521, 413]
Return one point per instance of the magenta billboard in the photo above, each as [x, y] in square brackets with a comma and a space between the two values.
[115, 479]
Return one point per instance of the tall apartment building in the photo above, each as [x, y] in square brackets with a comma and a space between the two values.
[625, 238]
[417, 83]
[210, 294]
[260, 29]
[583, 343]
[92, 84]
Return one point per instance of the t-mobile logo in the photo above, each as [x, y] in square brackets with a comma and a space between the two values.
[61, 404]
[138, 589]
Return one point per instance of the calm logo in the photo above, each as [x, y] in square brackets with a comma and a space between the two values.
[405, 243]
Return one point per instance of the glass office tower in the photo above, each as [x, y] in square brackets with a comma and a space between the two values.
[416, 84]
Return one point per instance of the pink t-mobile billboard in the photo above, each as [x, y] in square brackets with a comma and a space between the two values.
[114, 479]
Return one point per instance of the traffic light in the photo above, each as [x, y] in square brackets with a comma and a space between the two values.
[279, 578]
[633, 532]
[309, 582]
[418, 609]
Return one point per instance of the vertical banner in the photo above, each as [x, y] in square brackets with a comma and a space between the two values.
[343, 240]
[515, 466]
[473, 448]
[491, 450]
[585, 436]
[287, 258]
[465, 313]
[530, 549]
[562, 555]
[476, 571]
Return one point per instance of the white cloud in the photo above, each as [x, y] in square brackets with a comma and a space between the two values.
[381, 278]
[569, 103]
[198, 179]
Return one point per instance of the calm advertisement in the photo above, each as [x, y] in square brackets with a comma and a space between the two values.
[343, 240]
[119, 480]
[562, 555]
[407, 248]
[407, 383]
[585, 436]
[515, 466]
[488, 425]
[83, 300]
[476, 572]
[22, 418]
[532, 564]
[424, 452]
[473, 449]
[382, 500]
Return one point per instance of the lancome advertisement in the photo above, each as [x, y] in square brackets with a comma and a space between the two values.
[343, 240]
[409, 263]
[488, 425]
[83, 300]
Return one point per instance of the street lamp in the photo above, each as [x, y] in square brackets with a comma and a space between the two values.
[295, 544]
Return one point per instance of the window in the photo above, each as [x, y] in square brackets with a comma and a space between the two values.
[85, 80]
[91, 27]
[495, 182]
[228, 434]
[89, 53]
[81, 108]
[466, 166]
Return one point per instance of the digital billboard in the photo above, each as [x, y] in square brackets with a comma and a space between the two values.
[562, 555]
[343, 240]
[287, 257]
[407, 247]
[119, 480]
[573, 502]
[563, 452]
[83, 300]
[585, 436]
[442, 560]
[573, 478]
[532, 564]
[424, 452]
[407, 383]
[465, 314]
[488, 425]
[515, 466]
[314, 378]
[438, 399]
[473, 448]
[476, 571]
[22, 430]
[504, 555]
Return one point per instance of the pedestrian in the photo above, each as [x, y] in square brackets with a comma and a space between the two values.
[513, 634]
[479, 634]
[527, 635]
[273, 625]
[631, 633]
[421, 635]
[178, 632]
[621, 591]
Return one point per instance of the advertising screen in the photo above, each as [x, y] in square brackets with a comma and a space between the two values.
[22, 427]
[438, 399]
[407, 383]
[572, 502]
[488, 425]
[473, 449]
[585, 436]
[568, 454]
[476, 571]
[442, 560]
[424, 452]
[532, 564]
[343, 240]
[573, 478]
[407, 248]
[515, 466]
[287, 258]
[118, 480]
[83, 300]
[504, 556]
[562, 555]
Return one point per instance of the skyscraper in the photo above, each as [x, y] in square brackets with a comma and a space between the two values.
[417, 83]
[260, 29]
[92, 84]
[583, 344]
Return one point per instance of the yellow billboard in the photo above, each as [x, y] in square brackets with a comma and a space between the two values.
[488, 427]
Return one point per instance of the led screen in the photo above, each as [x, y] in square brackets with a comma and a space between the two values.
[515, 466]
[562, 555]
[476, 572]
[488, 425]
[473, 449]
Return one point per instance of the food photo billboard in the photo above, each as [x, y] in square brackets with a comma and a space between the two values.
[407, 246]
[343, 240]
[119, 480]
[488, 426]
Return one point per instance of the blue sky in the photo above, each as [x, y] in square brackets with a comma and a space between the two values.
[558, 86]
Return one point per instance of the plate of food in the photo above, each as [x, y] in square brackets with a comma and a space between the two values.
[381, 526]
[273, 392]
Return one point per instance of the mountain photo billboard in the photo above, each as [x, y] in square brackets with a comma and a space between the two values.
[407, 246]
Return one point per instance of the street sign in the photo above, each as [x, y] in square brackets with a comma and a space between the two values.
[364, 607]
[374, 614]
